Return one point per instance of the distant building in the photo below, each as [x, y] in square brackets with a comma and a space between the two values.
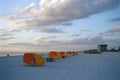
[102, 47]
[93, 51]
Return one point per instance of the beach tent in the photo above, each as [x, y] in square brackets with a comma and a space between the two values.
[52, 54]
[73, 53]
[76, 53]
[69, 53]
[63, 54]
[58, 55]
[50, 59]
[33, 59]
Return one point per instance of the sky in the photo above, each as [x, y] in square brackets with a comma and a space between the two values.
[59, 25]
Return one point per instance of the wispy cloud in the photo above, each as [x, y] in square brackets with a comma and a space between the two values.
[7, 38]
[115, 19]
[66, 24]
[114, 30]
[75, 35]
[49, 29]
[22, 44]
[5, 35]
[51, 43]
[8, 34]
[111, 32]
[106, 34]
[44, 39]
[70, 42]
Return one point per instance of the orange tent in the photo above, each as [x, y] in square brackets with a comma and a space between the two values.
[28, 58]
[33, 59]
[52, 54]
[69, 53]
[73, 53]
[62, 53]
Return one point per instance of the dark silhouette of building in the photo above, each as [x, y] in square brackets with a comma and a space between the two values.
[93, 51]
[102, 47]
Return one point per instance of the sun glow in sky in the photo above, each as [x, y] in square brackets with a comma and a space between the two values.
[45, 25]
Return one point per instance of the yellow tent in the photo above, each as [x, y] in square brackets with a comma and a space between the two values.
[58, 55]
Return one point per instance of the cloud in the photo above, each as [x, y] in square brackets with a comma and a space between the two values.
[66, 24]
[55, 11]
[5, 35]
[111, 32]
[78, 43]
[49, 12]
[115, 19]
[106, 34]
[12, 20]
[51, 43]
[70, 42]
[8, 34]
[17, 30]
[29, 9]
[7, 38]
[2, 29]
[85, 41]
[75, 35]
[22, 44]
[49, 29]
[45, 39]
[114, 30]
[113, 43]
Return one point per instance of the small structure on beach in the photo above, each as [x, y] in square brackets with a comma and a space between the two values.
[33, 59]
[8, 55]
[102, 47]
[92, 51]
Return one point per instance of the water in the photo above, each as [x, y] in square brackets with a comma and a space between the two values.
[11, 53]
[2, 54]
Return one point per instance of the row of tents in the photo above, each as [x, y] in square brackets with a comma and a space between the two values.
[38, 60]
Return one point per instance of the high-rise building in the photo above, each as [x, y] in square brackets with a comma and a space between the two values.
[102, 47]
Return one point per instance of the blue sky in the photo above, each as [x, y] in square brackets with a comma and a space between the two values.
[62, 25]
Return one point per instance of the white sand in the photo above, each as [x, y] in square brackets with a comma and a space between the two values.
[80, 67]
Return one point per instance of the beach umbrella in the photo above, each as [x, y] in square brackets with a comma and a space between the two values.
[33, 59]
